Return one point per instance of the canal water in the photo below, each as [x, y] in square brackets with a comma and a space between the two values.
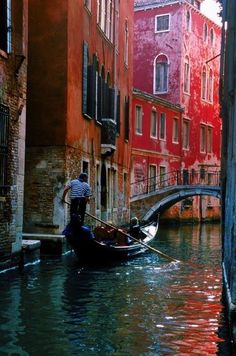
[147, 306]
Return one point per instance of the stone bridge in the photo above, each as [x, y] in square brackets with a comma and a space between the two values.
[146, 206]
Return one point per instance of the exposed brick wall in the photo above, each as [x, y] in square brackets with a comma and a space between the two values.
[13, 72]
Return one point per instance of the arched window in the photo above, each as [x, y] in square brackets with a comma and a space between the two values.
[212, 37]
[205, 32]
[188, 20]
[210, 86]
[186, 75]
[204, 82]
[160, 74]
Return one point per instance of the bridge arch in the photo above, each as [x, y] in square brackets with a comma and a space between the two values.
[174, 197]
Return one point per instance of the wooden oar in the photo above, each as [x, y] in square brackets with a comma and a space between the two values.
[133, 238]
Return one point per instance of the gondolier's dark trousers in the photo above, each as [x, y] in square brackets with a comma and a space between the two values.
[78, 207]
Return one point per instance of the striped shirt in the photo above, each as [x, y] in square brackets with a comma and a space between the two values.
[79, 189]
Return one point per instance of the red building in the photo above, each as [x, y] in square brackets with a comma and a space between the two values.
[177, 59]
[154, 151]
[80, 84]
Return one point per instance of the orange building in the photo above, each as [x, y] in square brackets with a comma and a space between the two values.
[80, 85]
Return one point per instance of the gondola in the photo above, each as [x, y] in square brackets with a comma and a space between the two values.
[107, 243]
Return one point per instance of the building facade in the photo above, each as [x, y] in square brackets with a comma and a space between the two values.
[154, 151]
[80, 85]
[13, 72]
[228, 104]
[176, 58]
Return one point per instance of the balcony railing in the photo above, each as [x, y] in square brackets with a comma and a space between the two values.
[185, 177]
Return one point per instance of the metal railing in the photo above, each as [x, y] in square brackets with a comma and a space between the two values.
[174, 178]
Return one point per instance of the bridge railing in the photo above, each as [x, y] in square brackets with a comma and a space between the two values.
[174, 178]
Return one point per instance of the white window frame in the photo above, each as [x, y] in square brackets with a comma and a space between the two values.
[105, 17]
[138, 119]
[156, 19]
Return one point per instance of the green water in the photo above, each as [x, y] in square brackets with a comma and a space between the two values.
[146, 306]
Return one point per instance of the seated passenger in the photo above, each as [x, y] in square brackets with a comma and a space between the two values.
[134, 227]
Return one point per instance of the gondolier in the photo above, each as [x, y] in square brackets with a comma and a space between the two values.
[80, 192]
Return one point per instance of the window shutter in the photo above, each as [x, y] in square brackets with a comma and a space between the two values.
[99, 103]
[3, 25]
[85, 79]
[91, 98]
[112, 103]
[106, 101]
[118, 113]
[126, 118]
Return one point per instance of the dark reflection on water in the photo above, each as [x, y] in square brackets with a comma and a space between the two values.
[146, 306]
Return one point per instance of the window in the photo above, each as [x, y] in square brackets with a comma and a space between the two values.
[4, 127]
[185, 134]
[152, 178]
[126, 116]
[87, 3]
[160, 74]
[204, 83]
[125, 190]
[162, 176]
[203, 138]
[153, 132]
[138, 120]
[188, 21]
[162, 23]
[212, 37]
[98, 185]
[5, 26]
[105, 17]
[126, 49]
[114, 188]
[162, 132]
[175, 130]
[209, 139]
[186, 75]
[210, 86]
[205, 33]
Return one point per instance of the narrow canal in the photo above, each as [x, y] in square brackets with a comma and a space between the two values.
[146, 306]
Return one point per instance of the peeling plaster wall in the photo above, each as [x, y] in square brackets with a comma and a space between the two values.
[176, 44]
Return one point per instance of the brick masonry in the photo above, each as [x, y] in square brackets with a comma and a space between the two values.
[13, 72]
